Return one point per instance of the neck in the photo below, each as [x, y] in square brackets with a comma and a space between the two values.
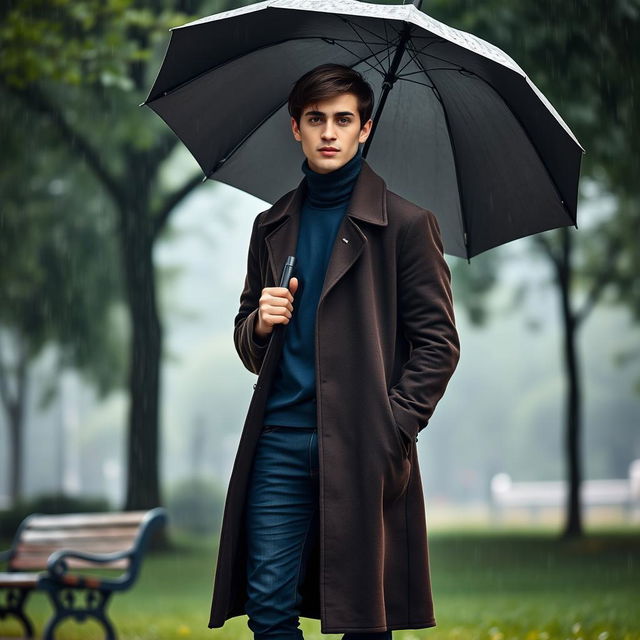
[334, 188]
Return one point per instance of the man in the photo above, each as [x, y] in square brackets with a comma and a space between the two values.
[325, 515]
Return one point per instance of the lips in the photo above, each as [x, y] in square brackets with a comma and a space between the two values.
[328, 149]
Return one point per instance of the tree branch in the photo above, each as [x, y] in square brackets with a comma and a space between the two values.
[548, 249]
[4, 385]
[171, 201]
[166, 143]
[604, 277]
[37, 101]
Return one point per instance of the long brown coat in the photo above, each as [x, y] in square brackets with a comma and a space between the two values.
[386, 347]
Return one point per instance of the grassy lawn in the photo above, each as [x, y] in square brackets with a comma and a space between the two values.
[516, 585]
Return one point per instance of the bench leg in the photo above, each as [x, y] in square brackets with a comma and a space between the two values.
[65, 606]
[15, 599]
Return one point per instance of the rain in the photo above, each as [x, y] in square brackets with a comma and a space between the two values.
[129, 196]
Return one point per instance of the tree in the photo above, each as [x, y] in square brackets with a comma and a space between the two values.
[583, 56]
[57, 283]
[73, 58]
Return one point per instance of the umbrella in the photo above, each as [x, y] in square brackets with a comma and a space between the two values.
[459, 128]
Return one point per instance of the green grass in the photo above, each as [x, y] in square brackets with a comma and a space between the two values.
[515, 585]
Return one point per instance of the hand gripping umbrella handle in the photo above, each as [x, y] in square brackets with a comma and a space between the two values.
[287, 272]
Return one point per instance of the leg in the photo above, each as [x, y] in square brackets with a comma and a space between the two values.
[67, 603]
[15, 600]
[281, 517]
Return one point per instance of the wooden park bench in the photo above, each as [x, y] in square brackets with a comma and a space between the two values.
[60, 543]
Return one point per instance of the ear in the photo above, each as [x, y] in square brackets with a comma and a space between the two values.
[295, 129]
[365, 130]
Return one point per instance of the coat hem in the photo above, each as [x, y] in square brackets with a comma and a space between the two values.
[391, 627]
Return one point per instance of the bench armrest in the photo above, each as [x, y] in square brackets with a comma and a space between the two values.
[57, 566]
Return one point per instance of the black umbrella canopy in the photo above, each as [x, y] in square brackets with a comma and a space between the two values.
[459, 128]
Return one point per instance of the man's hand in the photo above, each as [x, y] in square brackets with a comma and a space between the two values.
[276, 307]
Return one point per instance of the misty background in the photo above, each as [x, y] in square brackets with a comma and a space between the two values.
[502, 412]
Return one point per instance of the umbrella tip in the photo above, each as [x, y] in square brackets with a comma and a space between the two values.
[142, 104]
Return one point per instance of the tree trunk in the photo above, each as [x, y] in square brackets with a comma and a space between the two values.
[14, 405]
[16, 448]
[573, 399]
[143, 483]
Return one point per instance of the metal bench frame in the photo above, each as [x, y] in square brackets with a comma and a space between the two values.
[65, 589]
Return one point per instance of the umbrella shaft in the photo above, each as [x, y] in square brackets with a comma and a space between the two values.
[389, 79]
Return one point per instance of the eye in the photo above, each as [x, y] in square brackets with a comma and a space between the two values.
[345, 120]
[314, 118]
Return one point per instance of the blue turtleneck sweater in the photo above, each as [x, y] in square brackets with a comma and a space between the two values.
[292, 397]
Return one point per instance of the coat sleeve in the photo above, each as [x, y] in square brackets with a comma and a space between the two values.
[426, 313]
[250, 348]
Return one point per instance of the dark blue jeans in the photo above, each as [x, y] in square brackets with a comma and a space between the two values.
[282, 522]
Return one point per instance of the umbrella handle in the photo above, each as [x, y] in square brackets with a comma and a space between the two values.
[287, 272]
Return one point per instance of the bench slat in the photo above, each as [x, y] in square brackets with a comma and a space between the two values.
[122, 533]
[18, 579]
[86, 519]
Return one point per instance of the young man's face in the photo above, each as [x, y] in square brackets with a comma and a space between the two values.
[333, 123]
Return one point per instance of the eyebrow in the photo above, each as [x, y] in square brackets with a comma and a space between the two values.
[322, 113]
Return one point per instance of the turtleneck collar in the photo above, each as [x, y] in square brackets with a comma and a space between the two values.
[332, 189]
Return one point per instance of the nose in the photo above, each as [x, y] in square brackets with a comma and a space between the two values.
[329, 132]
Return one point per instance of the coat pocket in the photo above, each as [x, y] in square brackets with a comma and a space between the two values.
[404, 443]
[403, 440]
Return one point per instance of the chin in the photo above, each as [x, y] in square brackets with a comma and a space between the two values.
[328, 164]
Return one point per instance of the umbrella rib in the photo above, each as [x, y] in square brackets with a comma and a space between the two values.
[373, 33]
[364, 60]
[411, 59]
[434, 40]
[429, 86]
[416, 53]
[463, 70]
[396, 41]
[240, 56]
[535, 148]
[463, 219]
[365, 44]
[430, 55]
[411, 73]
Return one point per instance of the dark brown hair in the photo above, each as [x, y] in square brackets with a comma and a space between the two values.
[327, 81]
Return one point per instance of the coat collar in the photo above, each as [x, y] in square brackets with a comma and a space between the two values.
[368, 201]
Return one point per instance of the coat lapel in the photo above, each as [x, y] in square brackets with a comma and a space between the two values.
[368, 203]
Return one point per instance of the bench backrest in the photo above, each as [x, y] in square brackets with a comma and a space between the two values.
[40, 535]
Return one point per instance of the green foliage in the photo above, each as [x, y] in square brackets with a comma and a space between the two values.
[89, 42]
[58, 281]
[10, 519]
